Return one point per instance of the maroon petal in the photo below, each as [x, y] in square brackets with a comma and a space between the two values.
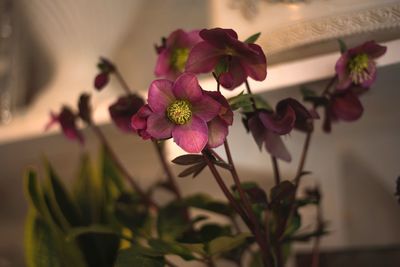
[123, 109]
[139, 120]
[235, 76]
[373, 50]
[304, 118]
[194, 37]
[187, 87]
[202, 58]
[341, 71]
[159, 127]
[206, 108]
[217, 132]
[347, 107]
[256, 64]
[218, 37]
[257, 129]
[372, 75]
[275, 146]
[101, 80]
[225, 112]
[163, 65]
[160, 95]
[280, 123]
[191, 137]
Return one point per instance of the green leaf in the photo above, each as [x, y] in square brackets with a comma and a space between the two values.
[188, 159]
[171, 223]
[33, 191]
[132, 258]
[221, 67]
[253, 38]
[40, 247]
[91, 229]
[256, 260]
[205, 202]
[342, 46]
[131, 211]
[226, 243]
[293, 225]
[245, 102]
[210, 232]
[173, 248]
[60, 201]
[111, 175]
[307, 93]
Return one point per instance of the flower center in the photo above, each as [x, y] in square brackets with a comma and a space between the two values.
[179, 112]
[359, 63]
[179, 58]
[230, 51]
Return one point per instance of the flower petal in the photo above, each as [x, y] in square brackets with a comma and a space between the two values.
[160, 95]
[217, 132]
[202, 58]
[219, 37]
[347, 107]
[257, 129]
[275, 146]
[372, 49]
[256, 64]
[206, 108]
[159, 127]
[235, 76]
[280, 123]
[191, 137]
[163, 65]
[187, 87]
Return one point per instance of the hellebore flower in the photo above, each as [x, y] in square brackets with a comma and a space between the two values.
[102, 79]
[357, 66]
[181, 110]
[123, 109]
[218, 126]
[266, 126]
[238, 60]
[173, 53]
[342, 105]
[139, 121]
[67, 120]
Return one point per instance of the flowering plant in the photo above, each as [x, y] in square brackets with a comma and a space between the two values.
[110, 220]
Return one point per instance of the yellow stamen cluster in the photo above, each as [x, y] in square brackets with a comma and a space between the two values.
[358, 68]
[179, 112]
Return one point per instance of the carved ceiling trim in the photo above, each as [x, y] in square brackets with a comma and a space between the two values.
[332, 27]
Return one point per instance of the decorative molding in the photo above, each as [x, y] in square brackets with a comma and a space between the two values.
[322, 29]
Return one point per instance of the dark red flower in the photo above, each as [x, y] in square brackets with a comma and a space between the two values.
[357, 66]
[238, 60]
[67, 120]
[102, 79]
[123, 109]
[173, 53]
[266, 126]
[342, 106]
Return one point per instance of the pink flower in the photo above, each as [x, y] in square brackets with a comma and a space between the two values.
[173, 53]
[123, 109]
[139, 121]
[357, 66]
[238, 60]
[67, 120]
[181, 110]
[218, 126]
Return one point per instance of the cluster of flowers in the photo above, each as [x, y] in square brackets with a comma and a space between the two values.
[177, 107]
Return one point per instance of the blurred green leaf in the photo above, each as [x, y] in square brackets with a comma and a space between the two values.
[245, 102]
[253, 38]
[205, 202]
[131, 211]
[111, 175]
[91, 229]
[33, 191]
[226, 243]
[132, 258]
[173, 248]
[171, 223]
[342, 46]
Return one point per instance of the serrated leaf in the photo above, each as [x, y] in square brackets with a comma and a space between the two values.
[247, 101]
[342, 46]
[193, 170]
[188, 159]
[226, 243]
[253, 38]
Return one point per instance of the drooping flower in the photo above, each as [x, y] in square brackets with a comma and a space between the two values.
[181, 110]
[85, 110]
[238, 60]
[357, 66]
[267, 126]
[67, 120]
[218, 126]
[139, 121]
[102, 78]
[173, 53]
[342, 106]
[123, 109]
